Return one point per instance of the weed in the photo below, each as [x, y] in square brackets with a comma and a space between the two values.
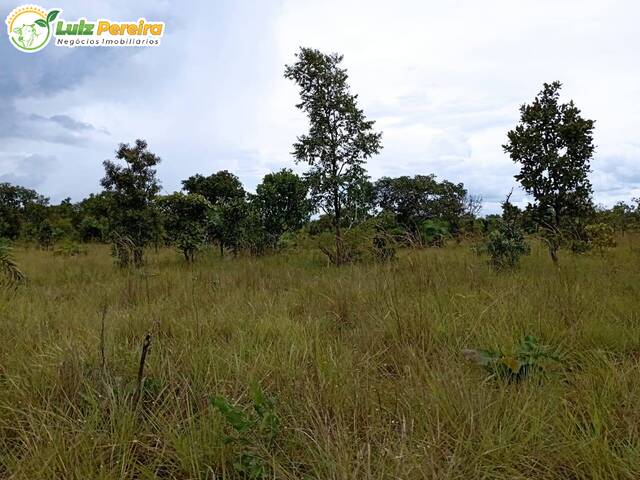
[529, 357]
[251, 432]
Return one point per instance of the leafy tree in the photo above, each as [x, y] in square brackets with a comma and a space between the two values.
[21, 211]
[227, 225]
[553, 144]
[281, 200]
[340, 138]
[133, 188]
[220, 187]
[186, 220]
[225, 193]
[416, 199]
[45, 234]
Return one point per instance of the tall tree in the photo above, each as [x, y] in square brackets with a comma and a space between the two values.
[553, 144]
[340, 138]
[133, 187]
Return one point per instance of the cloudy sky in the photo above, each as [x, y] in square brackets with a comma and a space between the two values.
[442, 79]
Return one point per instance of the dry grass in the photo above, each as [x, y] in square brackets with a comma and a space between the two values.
[364, 365]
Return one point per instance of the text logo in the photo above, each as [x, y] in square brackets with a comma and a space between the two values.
[31, 27]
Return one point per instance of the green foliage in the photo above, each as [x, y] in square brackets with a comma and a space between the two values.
[186, 220]
[600, 236]
[339, 140]
[366, 242]
[414, 200]
[281, 202]
[251, 433]
[45, 235]
[253, 236]
[218, 188]
[21, 211]
[227, 223]
[529, 357]
[433, 233]
[133, 188]
[553, 145]
[505, 246]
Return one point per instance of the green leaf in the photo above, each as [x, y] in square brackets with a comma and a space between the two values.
[41, 23]
[234, 416]
[51, 16]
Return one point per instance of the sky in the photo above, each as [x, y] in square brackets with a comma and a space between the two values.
[442, 79]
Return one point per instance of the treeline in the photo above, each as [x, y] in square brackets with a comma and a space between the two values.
[334, 205]
[217, 210]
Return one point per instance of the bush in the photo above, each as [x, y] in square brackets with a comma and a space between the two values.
[505, 246]
[530, 356]
[433, 233]
[600, 236]
[366, 242]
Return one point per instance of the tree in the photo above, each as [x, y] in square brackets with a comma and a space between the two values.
[133, 188]
[553, 144]
[21, 211]
[358, 205]
[225, 193]
[416, 199]
[94, 213]
[281, 201]
[186, 220]
[228, 223]
[217, 188]
[340, 138]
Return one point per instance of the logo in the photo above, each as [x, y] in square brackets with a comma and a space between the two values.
[30, 28]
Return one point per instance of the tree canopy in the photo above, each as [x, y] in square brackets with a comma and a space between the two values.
[340, 138]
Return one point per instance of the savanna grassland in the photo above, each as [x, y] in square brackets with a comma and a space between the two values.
[285, 367]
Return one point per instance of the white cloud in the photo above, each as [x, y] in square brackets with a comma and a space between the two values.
[443, 80]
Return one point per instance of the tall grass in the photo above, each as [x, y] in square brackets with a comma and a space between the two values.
[363, 365]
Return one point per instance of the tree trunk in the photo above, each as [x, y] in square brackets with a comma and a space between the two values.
[553, 251]
[337, 217]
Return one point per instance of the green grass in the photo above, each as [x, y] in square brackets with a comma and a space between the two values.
[363, 365]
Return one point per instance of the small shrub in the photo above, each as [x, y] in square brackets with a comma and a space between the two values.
[505, 246]
[529, 357]
[366, 242]
[580, 246]
[250, 432]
